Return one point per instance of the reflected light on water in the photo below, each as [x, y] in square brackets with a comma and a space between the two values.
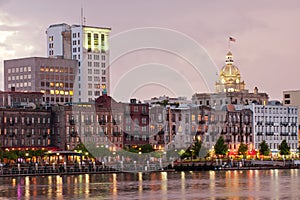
[182, 184]
[164, 184]
[114, 184]
[50, 185]
[252, 184]
[87, 185]
[140, 176]
[212, 184]
[59, 186]
[27, 189]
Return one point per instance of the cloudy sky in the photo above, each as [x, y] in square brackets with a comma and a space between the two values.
[267, 34]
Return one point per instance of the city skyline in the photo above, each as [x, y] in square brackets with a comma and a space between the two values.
[258, 27]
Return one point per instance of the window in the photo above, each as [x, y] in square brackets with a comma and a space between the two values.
[90, 93]
[103, 65]
[103, 79]
[144, 120]
[90, 78]
[90, 71]
[103, 71]
[287, 96]
[9, 71]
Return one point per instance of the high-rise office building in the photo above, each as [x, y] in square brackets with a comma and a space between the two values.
[54, 77]
[88, 45]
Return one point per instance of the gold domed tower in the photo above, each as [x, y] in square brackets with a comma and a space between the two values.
[229, 77]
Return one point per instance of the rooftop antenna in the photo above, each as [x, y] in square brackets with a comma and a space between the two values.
[82, 18]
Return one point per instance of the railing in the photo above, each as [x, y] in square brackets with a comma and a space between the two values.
[37, 169]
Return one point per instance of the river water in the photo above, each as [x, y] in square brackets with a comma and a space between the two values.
[252, 184]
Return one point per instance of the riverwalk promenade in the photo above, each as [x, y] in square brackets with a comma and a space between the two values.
[34, 169]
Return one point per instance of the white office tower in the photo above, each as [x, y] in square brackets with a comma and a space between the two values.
[89, 46]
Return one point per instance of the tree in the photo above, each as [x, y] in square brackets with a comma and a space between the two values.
[243, 148]
[147, 148]
[196, 147]
[264, 148]
[220, 147]
[284, 148]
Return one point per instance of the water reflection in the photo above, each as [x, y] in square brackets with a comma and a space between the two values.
[253, 184]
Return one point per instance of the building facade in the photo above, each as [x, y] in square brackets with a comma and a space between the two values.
[89, 46]
[238, 128]
[20, 99]
[54, 77]
[26, 128]
[274, 123]
[136, 123]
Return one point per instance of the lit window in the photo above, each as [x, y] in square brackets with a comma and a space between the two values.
[71, 92]
[51, 91]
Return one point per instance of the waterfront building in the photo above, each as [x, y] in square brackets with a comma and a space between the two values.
[274, 123]
[238, 128]
[96, 123]
[229, 89]
[89, 46]
[292, 98]
[54, 77]
[179, 126]
[136, 123]
[26, 128]
[168, 100]
[20, 99]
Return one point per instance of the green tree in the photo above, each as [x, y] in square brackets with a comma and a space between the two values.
[220, 147]
[264, 148]
[243, 148]
[284, 148]
[196, 147]
[147, 148]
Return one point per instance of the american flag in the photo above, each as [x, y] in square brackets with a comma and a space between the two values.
[231, 39]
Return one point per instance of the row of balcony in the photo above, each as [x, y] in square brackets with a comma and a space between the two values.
[272, 123]
[28, 134]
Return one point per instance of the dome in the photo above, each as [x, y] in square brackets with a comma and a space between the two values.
[230, 71]
[230, 77]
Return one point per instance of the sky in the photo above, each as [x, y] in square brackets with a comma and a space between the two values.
[266, 32]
